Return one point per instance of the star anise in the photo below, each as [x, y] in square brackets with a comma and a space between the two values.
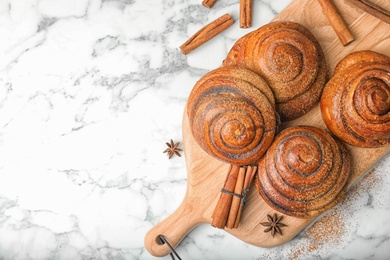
[274, 225]
[172, 149]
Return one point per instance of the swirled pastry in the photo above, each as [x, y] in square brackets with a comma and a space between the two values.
[304, 172]
[355, 104]
[290, 59]
[232, 116]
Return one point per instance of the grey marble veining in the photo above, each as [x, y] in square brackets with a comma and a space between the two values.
[90, 91]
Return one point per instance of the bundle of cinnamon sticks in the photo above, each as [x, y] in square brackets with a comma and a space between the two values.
[231, 202]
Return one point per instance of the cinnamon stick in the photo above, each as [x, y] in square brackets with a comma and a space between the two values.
[224, 184]
[336, 21]
[249, 176]
[372, 9]
[245, 13]
[206, 33]
[208, 3]
[222, 209]
[236, 202]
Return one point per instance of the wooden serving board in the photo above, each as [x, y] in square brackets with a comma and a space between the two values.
[206, 175]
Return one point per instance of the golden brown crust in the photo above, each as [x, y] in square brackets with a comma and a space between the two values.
[304, 172]
[355, 104]
[232, 116]
[290, 59]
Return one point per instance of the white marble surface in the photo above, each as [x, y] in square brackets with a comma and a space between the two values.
[90, 91]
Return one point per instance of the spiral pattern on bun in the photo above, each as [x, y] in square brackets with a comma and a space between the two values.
[290, 59]
[356, 101]
[232, 115]
[304, 172]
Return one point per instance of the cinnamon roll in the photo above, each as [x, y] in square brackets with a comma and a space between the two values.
[304, 172]
[355, 104]
[232, 116]
[290, 59]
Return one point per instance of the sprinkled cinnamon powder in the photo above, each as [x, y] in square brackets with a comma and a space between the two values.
[328, 230]
[367, 182]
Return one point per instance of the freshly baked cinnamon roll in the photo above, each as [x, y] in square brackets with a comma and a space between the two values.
[304, 172]
[355, 104]
[290, 59]
[232, 116]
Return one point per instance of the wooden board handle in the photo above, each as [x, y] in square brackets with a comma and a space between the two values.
[174, 228]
